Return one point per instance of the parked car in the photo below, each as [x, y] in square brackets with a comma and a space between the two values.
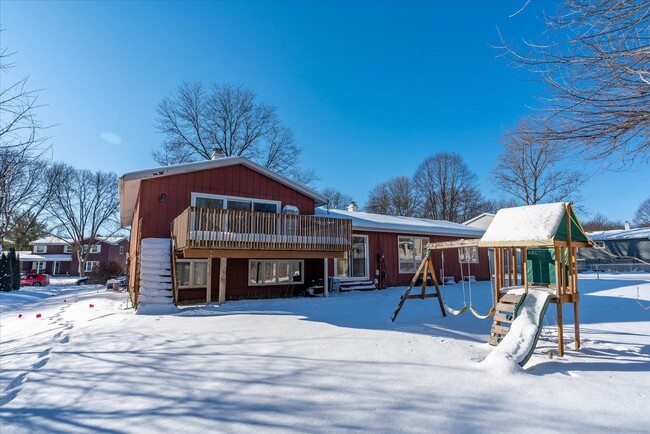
[34, 279]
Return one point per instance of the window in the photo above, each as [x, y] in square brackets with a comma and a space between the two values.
[39, 266]
[192, 273]
[409, 251]
[121, 250]
[275, 272]
[355, 262]
[468, 255]
[600, 244]
[67, 248]
[40, 249]
[93, 249]
[213, 201]
[91, 266]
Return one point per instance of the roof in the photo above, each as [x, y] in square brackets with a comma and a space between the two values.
[129, 183]
[28, 256]
[52, 240]
[533, 225]
[621, 234]
[406, 225]
[480, 221]
[111, 240]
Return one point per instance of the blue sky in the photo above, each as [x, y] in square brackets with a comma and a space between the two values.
[369, 89]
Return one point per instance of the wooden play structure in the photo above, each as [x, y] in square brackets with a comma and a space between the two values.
[531, 247]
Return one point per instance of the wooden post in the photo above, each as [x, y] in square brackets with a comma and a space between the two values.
[326, 289]
[524, 267]
[558, 282]
[425, 274]
[223, 262]
[208, 295]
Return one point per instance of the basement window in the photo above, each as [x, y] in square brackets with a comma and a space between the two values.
[275, 272]
[192, 273]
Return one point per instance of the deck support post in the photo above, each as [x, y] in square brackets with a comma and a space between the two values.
[223, 262]
[326, 289]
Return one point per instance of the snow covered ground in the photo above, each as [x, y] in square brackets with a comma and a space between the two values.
[314, 365]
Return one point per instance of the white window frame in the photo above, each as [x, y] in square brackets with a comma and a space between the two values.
[400, 238]
[367, 276]
[40, 249]
[67, 248]
[89, 266]
[121, 250]
[191, 262]
[225, 199]
[464, 251]
[277, 282]
[40, 266]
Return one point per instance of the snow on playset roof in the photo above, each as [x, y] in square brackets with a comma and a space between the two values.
[129, 183]
[407, 225]
[533, 225]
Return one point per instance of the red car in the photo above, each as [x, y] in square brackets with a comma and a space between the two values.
[34, 279]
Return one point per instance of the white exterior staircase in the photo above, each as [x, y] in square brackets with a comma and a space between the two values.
[155, 291]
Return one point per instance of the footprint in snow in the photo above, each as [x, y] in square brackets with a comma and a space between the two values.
[40, 363]
[8, 397]
[65, 340]
[17, 381]
[44, 353]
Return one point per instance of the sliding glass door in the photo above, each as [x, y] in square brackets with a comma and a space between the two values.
[355, 263]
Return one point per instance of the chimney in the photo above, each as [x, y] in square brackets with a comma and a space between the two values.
[216, 154]
[353, 207]
[627, 225]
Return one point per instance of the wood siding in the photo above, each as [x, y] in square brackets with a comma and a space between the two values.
[230, 181]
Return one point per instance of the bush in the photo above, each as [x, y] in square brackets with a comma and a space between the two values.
[105, 271]
[9, 271]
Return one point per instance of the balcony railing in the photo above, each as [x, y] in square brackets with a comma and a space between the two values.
[203, 228]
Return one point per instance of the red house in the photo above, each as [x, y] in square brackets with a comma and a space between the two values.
[230, 229]
[54, 255]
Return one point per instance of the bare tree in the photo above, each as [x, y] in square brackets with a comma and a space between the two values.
[393, 197]
[530, 168]
[21, 148]
[448, 188]
[642, 214]
[379, 200]
[24, 188]
[85, 204]
[600, 222]
[336, 199]
[594, 58]
[197, 122]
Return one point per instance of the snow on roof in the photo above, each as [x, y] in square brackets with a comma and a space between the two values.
[129, 183]
[407, 225]
[481, 221]
[52, 240]
[29, 256]
[620, 234]
[111, 240]
[526, 225]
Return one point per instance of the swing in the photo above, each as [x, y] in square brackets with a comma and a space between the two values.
[471, 307]
[449, 310]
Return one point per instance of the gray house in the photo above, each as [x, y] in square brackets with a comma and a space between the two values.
[618, 246]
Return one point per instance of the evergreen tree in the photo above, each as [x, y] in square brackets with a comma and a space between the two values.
[14, 260]
[5, 284]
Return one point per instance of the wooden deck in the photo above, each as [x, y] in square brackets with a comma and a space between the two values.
[213, 229]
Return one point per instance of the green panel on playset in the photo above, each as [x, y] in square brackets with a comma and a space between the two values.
[541, 266]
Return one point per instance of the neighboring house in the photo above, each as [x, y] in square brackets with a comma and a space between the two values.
[611, 246]
[390, 248]
[239, 230]
[53, 255]
[481, 221]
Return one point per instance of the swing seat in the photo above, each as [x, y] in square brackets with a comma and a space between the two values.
[454, 312]
[479, 316]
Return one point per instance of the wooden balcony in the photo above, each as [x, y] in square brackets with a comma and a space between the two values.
[202, 232]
